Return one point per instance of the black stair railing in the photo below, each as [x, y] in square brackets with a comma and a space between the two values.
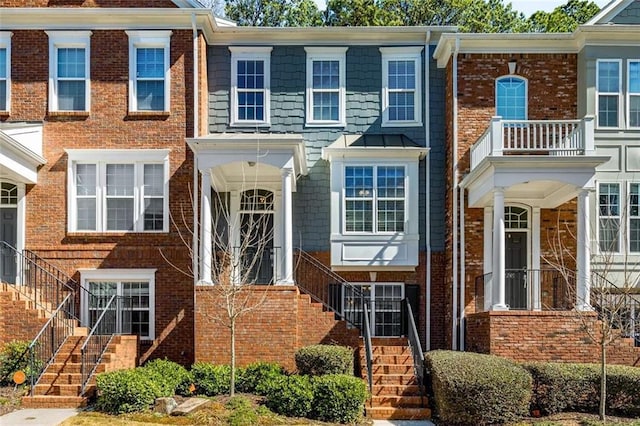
[416, 348]
[368, 347]
[618, 305]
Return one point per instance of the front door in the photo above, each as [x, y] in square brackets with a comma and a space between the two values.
[256, 250]
[516, 269]
[8, 234]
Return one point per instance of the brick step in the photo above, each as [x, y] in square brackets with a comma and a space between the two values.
[407, 390]
[390, 350]
[60, 390]
[53, 401]
[60, 379]
[389, 341]
[395, 379]
[379, 369]
[397, 359]
[398, 413]
[76, 357]
[71, 368]
[397, 401]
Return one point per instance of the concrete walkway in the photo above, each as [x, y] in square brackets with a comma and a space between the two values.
[37, 417]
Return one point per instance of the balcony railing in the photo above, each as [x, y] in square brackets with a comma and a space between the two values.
[534, 137]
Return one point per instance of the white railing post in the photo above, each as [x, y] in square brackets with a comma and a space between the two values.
[588, 135]
[497, 139]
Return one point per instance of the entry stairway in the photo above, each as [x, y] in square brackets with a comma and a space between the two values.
[395, 393]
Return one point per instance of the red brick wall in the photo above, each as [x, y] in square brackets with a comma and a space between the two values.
[544, 336]
[87, 3]
[18, 321]
[108, 126]
[281, 322]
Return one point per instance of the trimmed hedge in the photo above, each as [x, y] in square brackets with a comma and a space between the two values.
[290, 396]
[338, 398]
[211, 380]
[126, 391]
[171, 377]
[318, 360]
[475, 389]
[257, 377]
[561, 387]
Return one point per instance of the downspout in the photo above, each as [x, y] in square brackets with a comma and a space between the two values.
[454, 188]
[463, 280]
[195, 243]
[427, 175]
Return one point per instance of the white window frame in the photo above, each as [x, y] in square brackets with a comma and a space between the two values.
[375, 199]
[389, 54]
[618, 94]
[526, 93]
[629, 217]
[5, 43]
[249, 53]
[126, 156]
[621, 206]
[326, 54]
[64, 40]
[629, 94]
[143, 40]
[119, 276]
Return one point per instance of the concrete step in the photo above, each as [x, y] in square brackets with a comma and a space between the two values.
[398, 413]
[53, 401]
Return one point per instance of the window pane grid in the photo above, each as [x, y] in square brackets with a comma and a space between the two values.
[71, 79]
[251, 90]
[150, 79]
[153, 197]
[609, 217]
[325, 90]
[86, 197]
[634, 93]
[608, 86]
[401, 86]
[3, 79]
[8, 194]
[511, 98]
[634, 217]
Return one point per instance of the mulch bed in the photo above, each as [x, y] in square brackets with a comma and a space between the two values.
[10, 399]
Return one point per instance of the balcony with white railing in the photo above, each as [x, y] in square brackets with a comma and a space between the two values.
[552, 138]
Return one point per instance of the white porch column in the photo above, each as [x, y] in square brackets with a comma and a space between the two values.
[287, 227]
[488, 258]
[499, 292]
[536, 291]
[206, 238]
[583, 291]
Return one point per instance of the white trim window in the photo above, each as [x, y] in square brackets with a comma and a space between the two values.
[634, 217]
[5, 71]
[149, 71]
[69, 71]
[124, 191]
[374, 198]
[633, 93]
[609, 92]
[326, 75]
[511, 97]
[133, 306]
[609, 217]
[401, 86]
[250, 86]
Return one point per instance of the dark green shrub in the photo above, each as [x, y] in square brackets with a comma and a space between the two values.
[211, 380]
[317, 360]
[623, 390]
[10, 361]
[126, 391]
[561, 387]
[171, 377]
[290, 396]
[475, 389]
[338, 398]
[257, 377]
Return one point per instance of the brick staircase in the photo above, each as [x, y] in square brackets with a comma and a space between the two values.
[21, 318]
[395, 393]
[317, 325]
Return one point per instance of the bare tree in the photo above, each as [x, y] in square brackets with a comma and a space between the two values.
[217, 6]
[614, 294]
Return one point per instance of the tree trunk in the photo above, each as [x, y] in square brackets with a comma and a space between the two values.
[603, 380]
[232, 384]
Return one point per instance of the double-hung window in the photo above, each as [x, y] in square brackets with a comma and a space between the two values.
[609, 88]
[118, 191]
[126, 296]
[633, 98]
[634, 217]
[5, 71]
[511, 98]
[401, 86]
[69, 71]
[374, 198]
[250, 85]
[149, 71]
[326, 68]
[609, 217]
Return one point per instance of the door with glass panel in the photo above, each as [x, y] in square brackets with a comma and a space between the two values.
[8, 231]
[256, 251]
[517, 276]
[128, 313]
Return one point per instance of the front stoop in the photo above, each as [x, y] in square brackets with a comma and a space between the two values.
[395, 393]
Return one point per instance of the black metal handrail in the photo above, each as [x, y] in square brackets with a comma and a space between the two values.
[617, 305]
[315, 279]
[368, 347]
[416, 348]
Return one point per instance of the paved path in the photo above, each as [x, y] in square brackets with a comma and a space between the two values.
[37, 417]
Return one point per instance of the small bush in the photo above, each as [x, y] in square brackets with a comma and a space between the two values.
[317, 360]
[10, 361]
[126, 391]
[171, 377]
[256, 377]
[290, 396]
[243, 413]
[211, 380]
[338, 398]
[623, 390]
[478, 389]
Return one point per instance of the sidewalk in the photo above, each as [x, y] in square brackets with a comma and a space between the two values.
[37, 417]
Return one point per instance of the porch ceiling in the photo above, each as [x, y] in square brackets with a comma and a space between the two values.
[538, 181]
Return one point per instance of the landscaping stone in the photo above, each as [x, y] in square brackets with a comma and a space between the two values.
[165, 405]
[189, 406]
